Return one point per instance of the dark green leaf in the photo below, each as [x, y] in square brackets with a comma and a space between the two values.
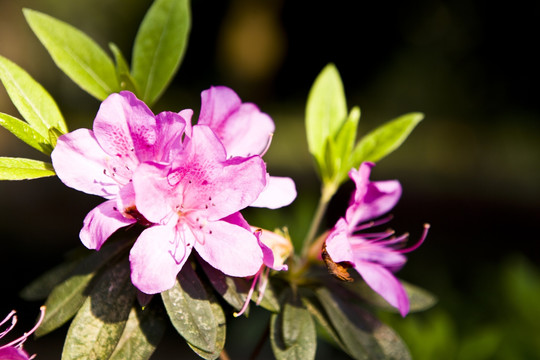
[100, 322]
[196, 314]
[234, 290]
[385, 139]
[292, 331]
[159, 46]
[326, 111]
[41, 287]
[24, 169]
[355, 331]
[26, 133]
[34, 103]
[269, 300]
[144, 329]
[80, 57]
[67, 298]
[126, 81]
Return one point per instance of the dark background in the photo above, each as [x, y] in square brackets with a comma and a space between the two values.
[471, 168]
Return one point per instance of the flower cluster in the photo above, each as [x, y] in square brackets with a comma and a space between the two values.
[373, 255]
[13, 350]
[186, 184]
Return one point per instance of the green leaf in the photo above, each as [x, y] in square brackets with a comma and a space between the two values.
[355, 332]
[100, 322]
[24, 169]
[76, 54]
[67, 298]
[41, 287]
[385, 139]
[196, 314]
[34, 103]
[126, 81]
[292, 331]
[326, 111]
[159, 46]
[344, 144]
[269, 300]
[144, 329]
[26, 133]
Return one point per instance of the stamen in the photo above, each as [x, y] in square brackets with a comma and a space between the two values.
[250, 293]
[420, 242]
[22, 339]
[267, 145]
[373, 223]
[13, 318]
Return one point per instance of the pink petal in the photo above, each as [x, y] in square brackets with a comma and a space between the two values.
[372, 198]
[125, 127]
[13, 353]
[229, 248]
[279, 192]
[243, 128]
[157, 257]
[337, 243]
[82, 164]
[101, 223]
[385, 284]
[170, 128]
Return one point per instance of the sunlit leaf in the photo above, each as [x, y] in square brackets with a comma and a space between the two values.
[100, 322]
[196, 314]
[343, 145]
[76, 54]
[34, 103]
[24, 169]
[326, 110]
[67, 298]
[385, 139]
[26, 133]
[142, 333]
[159, 46]
[292, 331]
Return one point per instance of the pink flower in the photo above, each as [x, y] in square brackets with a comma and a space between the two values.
[245, 131]
[373, 255]
[14, 350]
[101, 162]
[193, 204]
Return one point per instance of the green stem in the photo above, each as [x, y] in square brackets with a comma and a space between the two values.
[326, 194]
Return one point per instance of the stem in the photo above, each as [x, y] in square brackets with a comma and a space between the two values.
[326, 194]
[223, 355]
[260, 343]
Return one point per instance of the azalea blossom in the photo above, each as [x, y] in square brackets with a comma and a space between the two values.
[194, 203]
[244, 130]
[102, 161]
[374, 255]
[13, 350]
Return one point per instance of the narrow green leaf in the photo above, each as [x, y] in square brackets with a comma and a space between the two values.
[326, 110]
[355, 331]
[76, 54]
[41, 287]
[67, 298]
[126, 81]
[143, 332]
[34, 103]
[24, 169]
[26, 133]
[292, 331]
[159, 46]
[100, 322]
[196, 314]
[344, 145]
[385, 139]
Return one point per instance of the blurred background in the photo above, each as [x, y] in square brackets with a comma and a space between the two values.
[471, 168]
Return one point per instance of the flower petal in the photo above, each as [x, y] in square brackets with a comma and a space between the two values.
[125, 127]
[13, 353]
[385, 284]
[279, 192]
[101, 223]
[170, 128]
[229, 248]
[157, 257]
[243, 128]
[372, 198]
[82, 164]
[337, 243]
